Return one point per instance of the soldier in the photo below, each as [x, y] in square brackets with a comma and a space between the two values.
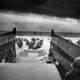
[74, 73]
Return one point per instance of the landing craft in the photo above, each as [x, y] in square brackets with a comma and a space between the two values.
[27, 68]
[36, 69]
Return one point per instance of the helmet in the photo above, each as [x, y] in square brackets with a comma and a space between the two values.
[76, 64]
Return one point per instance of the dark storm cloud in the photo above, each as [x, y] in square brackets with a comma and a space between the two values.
[61, 8]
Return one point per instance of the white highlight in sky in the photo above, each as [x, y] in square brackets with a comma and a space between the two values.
[41, 22]
[35, 18]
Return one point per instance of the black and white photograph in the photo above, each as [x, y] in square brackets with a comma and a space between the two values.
[39, 40]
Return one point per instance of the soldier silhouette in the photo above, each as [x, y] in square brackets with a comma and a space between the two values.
[74, 73]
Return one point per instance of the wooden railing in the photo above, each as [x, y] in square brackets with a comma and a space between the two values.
[64, 51]
[7, 46]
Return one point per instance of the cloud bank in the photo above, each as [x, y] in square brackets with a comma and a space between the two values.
[35, 22]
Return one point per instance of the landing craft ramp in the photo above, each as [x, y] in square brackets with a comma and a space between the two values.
[30, 70]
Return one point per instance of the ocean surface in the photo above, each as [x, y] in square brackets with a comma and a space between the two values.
[74, 37]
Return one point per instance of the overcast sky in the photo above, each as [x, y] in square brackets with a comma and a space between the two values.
[61, 8]
[35, 22]
[60, 15]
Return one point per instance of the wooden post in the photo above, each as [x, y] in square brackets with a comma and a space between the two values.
[52, 32]
[14, 30]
